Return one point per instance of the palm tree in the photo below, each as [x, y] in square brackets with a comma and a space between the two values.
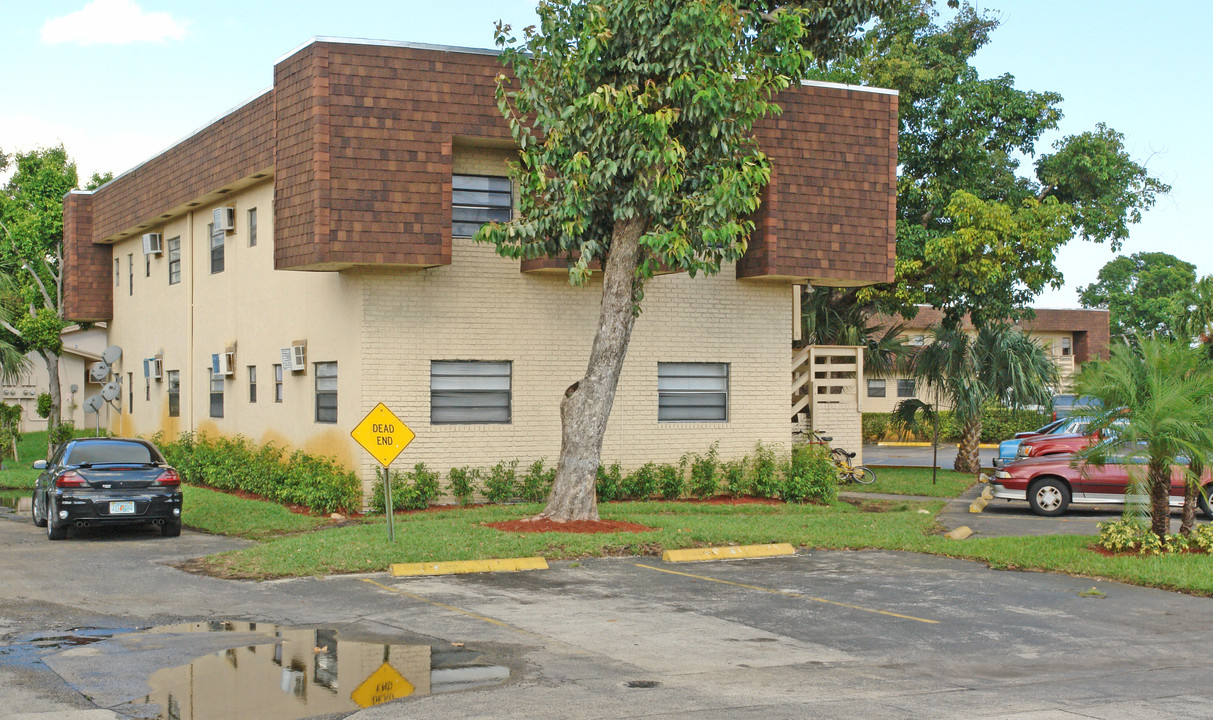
[1160, 395]
[1192, 314]
[827, 319]
[1000, 364]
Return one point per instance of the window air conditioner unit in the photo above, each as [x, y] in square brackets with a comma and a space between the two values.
[152, 244]
[294, 357]
[223, 364]
[225, 218]
[152, 368]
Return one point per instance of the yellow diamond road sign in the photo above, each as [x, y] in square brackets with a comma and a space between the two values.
[384, 684]
[383, 434]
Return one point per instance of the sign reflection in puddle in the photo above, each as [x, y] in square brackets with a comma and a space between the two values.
[299, 673]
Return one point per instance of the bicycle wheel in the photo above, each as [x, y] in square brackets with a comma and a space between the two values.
[863, 475]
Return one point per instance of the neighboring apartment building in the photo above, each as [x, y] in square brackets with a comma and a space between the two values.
[1070, 337]
[310, 256]
[81, 348]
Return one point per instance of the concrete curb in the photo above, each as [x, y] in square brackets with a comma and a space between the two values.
[458, 567]
[730, 552]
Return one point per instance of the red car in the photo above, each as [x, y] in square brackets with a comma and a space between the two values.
[1041, 445]
[1052, 483]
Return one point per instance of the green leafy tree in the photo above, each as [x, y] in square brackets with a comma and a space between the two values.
[1159, 394]
[976, 235]
[1140, 293]
[31, 256]
[633, 119]
[1000, 364]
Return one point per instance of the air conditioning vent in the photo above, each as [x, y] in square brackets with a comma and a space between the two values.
[152, 244]
[152, 368]
[225, 218]
[294, 357]
[223, 364]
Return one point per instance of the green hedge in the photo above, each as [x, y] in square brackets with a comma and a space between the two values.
[997, 424]
[317, 483]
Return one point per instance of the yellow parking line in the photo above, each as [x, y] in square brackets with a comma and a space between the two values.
[789, 594]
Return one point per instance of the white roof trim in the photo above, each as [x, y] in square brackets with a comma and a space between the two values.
[388, 43]
[844, 86]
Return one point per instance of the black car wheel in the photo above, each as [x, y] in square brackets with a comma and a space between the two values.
[53, 532]
[1202, 499]
[1049, 497]
[171, 528]
[38, 511]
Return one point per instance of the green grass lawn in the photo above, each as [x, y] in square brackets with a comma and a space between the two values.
[915, 481]
[220, 513]
[32, 446]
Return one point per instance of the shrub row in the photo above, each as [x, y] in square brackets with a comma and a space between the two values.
[804, 475]
[317, 483]
[997, 424]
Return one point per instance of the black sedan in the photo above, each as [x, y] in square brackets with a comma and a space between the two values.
[106, 481]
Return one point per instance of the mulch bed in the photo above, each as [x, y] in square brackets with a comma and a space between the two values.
[579, 526]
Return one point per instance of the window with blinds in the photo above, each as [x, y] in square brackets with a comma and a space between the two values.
[469, 392]
[326, 392]
[692, 392]
[476, 200]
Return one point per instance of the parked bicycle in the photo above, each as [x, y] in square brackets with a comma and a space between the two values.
[841, 459]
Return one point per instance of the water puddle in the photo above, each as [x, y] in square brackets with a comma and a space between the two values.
[299, 673]
[18, 502]
[28, 649]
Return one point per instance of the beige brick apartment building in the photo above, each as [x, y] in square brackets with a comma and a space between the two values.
[340, 272]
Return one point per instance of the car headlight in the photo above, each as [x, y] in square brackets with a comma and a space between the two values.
[1022, 452]
[1002, 475]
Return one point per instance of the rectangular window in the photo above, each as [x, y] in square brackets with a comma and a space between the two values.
[218, 237]
[277, 383]
[216, 396]
[174, 393]
[469, 392]
[876, 388]
[130, 392]
[130, 273]
[1066, 348]
[147, 266]
[905, 387]
[692, 392]
[326, 392]
[117, 272]
[252, 227]
[174, 261]
[252, 383]
[476, 200]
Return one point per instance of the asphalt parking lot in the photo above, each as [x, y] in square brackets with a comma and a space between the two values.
[821, 634]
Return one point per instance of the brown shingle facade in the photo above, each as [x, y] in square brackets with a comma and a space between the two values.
[1089, 328]
[360, 137]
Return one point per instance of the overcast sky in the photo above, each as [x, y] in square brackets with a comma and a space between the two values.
[117, 81]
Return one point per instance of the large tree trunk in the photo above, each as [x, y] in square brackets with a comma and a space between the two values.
[56, 393]
[587, 403]
[967, 454]
[1160, 497]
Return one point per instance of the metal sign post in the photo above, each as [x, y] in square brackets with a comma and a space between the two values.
[384, 436]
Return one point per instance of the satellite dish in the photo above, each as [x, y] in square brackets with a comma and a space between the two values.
[98, 372]
[93, 404]
[111, 354]
[111, 391]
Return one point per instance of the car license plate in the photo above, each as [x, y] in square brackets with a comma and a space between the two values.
[122, 508]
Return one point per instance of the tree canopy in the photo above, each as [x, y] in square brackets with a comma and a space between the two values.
[977, 233]
[634, 123]
[1142, 293]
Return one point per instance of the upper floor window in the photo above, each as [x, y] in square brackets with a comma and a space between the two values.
[476, 200]
[252, 227]
[218, 237]
[174, 261]
[277, 383]
[692, 392]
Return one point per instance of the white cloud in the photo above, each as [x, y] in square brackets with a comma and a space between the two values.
[113, 22]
